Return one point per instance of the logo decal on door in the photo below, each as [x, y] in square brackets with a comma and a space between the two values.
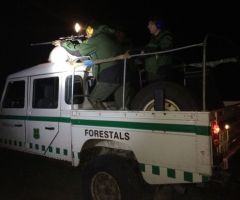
[36, 134]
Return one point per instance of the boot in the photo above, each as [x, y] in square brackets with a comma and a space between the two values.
[98, 106]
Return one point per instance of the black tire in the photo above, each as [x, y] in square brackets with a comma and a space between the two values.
[177, 97]
[108, 177]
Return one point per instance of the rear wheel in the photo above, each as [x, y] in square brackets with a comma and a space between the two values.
[177, 98]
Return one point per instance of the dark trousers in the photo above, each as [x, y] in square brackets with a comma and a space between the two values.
[103, 90]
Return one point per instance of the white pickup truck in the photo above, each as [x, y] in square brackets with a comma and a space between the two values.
[165, 138]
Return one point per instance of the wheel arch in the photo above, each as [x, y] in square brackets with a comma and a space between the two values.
[96, 147]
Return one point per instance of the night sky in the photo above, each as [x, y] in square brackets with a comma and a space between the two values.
[25, 22]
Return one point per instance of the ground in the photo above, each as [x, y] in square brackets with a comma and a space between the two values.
[30, 177]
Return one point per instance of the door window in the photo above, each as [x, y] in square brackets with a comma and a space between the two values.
[14, 96]
[78, 96]
[45, 93]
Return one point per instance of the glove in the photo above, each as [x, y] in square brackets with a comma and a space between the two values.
[88, 63]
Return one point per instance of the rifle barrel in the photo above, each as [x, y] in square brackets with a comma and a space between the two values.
[42, 43]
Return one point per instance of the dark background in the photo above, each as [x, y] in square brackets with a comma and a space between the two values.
[25, 22]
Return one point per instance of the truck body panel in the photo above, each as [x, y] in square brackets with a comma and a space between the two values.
[159, 140]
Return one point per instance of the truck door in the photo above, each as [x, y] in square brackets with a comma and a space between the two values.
[44, 114]
[13, 115]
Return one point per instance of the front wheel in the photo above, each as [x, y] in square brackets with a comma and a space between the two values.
[107, 177]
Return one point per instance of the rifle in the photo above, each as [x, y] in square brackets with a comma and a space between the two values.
[70, 38]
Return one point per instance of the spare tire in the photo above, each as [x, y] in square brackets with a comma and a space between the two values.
[177, 97]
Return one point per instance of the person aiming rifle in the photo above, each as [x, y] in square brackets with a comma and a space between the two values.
[101, 43]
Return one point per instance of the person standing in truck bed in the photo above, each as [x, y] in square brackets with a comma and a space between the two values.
[158, 66]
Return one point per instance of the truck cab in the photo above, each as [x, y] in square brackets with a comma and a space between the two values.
[38, 102]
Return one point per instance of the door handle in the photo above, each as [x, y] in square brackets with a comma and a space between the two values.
[49, 128]
[18, 125]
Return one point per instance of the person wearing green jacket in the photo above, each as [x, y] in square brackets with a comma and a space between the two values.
[101, 43]
[158, 66]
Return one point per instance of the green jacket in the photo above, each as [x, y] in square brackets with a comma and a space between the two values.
[103, 44]
[159, 64]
